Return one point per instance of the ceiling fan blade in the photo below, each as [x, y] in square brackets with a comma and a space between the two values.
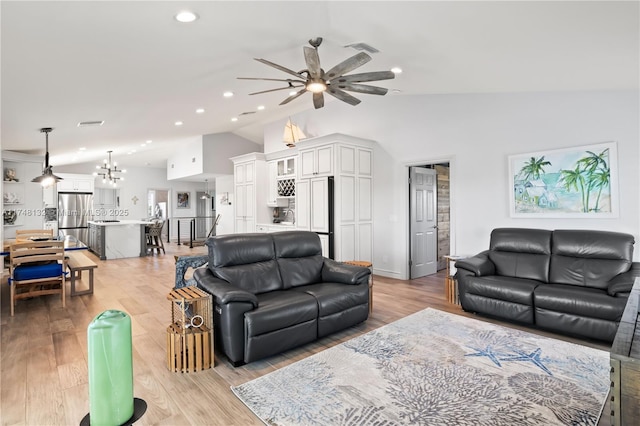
[313, 61]
[343, 96]
[363, 88]
[288, 80]
[292, 97]
[274, 90]
[366, 76]
[348, 65]
[279, 67]
[318, 100]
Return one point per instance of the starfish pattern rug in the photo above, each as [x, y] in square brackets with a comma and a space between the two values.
[436, 368]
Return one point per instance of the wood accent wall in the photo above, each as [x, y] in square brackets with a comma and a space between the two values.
[444, 210]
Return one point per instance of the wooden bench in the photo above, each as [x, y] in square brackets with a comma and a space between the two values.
[78, 262]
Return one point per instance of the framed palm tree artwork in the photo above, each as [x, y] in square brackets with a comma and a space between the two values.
[578, 182]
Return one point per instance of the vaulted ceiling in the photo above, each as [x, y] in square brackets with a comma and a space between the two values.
[131, 64]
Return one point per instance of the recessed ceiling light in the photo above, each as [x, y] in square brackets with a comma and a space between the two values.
[227, 94]
[186, 16]
[178, 123]
[143, 144]
[149, 141]
[260, 107]
[293, 92]
[396, 70]
[234, 119]
[199, 110]
[396, 91]
[82, 148]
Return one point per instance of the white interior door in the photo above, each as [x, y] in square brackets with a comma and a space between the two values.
[423, 220]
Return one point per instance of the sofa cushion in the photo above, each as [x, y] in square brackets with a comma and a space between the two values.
[518, 290]
[280, 309]
[299, 256]
[247, 260]
[256, 278]
[586, 302]
[334, 297]
[589, 258]
[521, 253]
[239, 249]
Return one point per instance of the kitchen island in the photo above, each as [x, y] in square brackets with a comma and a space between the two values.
[117, 239]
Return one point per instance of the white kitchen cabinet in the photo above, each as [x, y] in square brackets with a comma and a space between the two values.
[350, 161]
[251, 192]
[286, 167]
[49, 197]
[75, 183]
[317, 161]
[272, 178]
[104, 197]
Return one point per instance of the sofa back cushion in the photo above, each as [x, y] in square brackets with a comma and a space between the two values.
[521, 252]
[589, 258]
[246, 260]
[299, 257]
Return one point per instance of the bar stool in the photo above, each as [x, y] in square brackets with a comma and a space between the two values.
[369, 265]
[154, 237]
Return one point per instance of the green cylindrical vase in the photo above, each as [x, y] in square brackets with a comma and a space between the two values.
[110, 369]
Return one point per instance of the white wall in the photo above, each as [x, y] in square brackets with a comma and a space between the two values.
[477, 133]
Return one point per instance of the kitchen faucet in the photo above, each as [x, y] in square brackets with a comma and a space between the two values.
[293, 215]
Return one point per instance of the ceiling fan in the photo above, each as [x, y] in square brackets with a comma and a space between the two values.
[334, 82]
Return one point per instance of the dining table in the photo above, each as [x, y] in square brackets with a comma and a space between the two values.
[69, 244]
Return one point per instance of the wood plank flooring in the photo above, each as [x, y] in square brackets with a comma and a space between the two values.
[44, 347]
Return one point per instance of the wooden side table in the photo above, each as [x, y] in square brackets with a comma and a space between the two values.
[451, 285]
[369, 265]
[190, 335]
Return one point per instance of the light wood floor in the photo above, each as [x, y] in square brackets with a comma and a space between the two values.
[44, 347]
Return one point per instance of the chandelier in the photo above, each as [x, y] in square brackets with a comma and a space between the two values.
[47, 178]
[109, 171]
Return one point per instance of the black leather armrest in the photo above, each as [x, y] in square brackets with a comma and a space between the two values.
[624, 282]
[337, 272]
[223, 291]
[480, 264]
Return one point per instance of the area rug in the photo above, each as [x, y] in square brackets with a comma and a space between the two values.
[436, 368]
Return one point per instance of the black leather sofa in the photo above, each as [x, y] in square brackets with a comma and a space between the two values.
[575, 282]
[273, 292]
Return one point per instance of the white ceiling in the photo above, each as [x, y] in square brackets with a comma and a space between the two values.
[132, 65]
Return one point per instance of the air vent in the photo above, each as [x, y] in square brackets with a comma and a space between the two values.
[247, 113]
[90, 123]
[363, 46]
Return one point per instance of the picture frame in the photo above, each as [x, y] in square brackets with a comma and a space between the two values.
[183, 200]
[577, 182]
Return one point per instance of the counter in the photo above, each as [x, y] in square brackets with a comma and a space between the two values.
[275, 227]
[118, 240]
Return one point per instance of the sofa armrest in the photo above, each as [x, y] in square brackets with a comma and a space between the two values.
[338, 272]
[623, 283]
[480, 264]
[223, 291]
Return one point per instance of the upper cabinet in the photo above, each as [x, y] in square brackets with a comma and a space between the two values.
[250, 184]
[75, 183]
[286, 167]
[316, 161]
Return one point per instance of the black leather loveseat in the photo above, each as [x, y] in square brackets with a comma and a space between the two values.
[273, 292]
[571, 281]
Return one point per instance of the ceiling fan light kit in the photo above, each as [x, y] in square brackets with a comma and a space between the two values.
[47, 178]
[335, 82]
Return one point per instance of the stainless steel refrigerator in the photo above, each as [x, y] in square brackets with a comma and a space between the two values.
[74, 210]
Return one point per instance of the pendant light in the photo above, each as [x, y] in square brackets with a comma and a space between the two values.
[48, 178]
[206, 190]
[109, 171]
